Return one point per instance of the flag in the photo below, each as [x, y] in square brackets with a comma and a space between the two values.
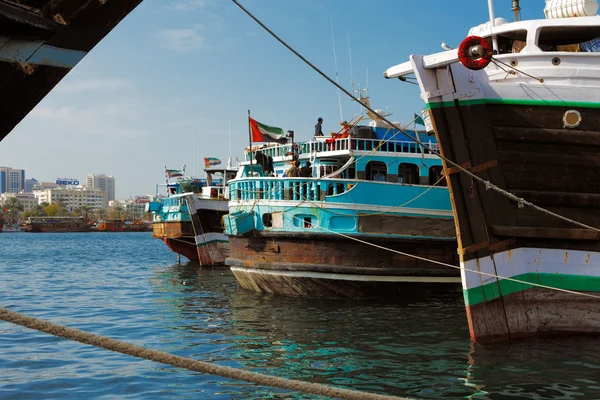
[209, 161]
[172, 173]
[266, 133]
[419, 120]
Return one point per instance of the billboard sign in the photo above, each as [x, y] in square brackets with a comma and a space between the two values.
[142, 199]
[67, 182]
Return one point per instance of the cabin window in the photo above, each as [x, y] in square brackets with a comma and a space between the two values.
[376, 171]
[267, 220]
[510, 42]
[435, 173]
[567, 38]
[307, 222]
[408, 174]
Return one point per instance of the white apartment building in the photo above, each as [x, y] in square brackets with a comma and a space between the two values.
[28, 200]
[73, 197]
[104, 183]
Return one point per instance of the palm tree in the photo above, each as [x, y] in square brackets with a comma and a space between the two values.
[13, 208]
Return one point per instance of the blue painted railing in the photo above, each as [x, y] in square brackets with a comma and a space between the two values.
[286, 189]
[390, 146]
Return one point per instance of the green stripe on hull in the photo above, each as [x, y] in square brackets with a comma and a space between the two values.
[522, 102]
[211, 242]
[491, 291]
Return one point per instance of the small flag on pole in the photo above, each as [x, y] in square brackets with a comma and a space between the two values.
[210, 161]
[419, 120]
[173, 173]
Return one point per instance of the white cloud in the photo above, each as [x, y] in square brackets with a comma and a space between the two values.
[181, 40]
[189, 5]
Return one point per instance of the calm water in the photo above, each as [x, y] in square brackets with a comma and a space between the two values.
[128, 286]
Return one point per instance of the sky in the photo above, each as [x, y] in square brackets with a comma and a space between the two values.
[165, 86]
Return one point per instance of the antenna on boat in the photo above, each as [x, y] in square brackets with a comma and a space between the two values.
[516, 9]
[492, 24]
[194, 151]
[350, 59]
[229, 119]
[337, 79]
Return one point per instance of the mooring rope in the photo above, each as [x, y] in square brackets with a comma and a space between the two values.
[182, 362]
[521, 202]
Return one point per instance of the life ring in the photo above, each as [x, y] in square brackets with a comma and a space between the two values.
[468, 59]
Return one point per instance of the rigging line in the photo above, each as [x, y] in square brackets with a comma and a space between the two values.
[336, 70]
[488, 185]
[540, 80]
[458, 267]
[122, 347]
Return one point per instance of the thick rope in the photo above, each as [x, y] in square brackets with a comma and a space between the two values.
[182, 362]
[488, 185]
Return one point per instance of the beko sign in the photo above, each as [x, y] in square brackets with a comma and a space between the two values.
[67, 182]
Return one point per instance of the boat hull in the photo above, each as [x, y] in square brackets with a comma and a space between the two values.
[525, 149]
[212, 246]
[330, 266]
[178, 236]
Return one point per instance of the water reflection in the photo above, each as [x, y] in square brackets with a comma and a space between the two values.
[419, 349]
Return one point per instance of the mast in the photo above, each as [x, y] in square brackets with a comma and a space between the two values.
[516, 9]
[492, 24]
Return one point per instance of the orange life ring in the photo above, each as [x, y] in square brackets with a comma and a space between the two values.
[468, 60]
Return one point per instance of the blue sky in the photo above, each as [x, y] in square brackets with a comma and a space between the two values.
[175, 67]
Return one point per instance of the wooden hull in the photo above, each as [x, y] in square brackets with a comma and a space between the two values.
[526, 150]
[212, 246]
[178, 236]
[328, 266]
[57, 227]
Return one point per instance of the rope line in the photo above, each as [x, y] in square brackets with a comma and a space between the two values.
[183, 362]
[488, 185]
[456, 267]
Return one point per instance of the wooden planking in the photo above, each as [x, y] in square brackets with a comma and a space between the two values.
[538, 180]
[545, 233]
[530, 217]
[552, 136]
[560, 199]
[545, 117]
[411, 226]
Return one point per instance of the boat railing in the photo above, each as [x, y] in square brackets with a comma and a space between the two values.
[345, 144]
[287, 189]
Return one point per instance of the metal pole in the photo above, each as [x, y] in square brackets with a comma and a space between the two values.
[250, 138]
[492, 24]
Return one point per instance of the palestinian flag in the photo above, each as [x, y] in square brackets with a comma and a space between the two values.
[266, 133]
[210, 161]
[172, 173]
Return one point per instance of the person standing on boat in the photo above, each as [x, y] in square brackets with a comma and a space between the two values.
[319, 127]
[292, 171]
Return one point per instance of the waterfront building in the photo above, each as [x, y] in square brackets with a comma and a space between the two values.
[30, 184]
[104, 183]
[44, 186]
[11, 180]
[73, 197]
[28, 200]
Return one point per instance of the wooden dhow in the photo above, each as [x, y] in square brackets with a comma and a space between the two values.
[527, 123]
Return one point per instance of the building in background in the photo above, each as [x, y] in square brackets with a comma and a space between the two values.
[12, 180]
[73, 197]
[30, 184]
[28, 200]
[104, 183]
[45, 185]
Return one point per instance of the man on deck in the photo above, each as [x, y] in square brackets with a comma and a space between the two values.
[319, 127]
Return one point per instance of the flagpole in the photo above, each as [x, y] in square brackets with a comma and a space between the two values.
[250, 138]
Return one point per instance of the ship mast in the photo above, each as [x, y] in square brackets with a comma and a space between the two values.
[516, 9]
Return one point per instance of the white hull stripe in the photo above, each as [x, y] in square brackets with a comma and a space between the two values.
[210, 237]
[521, 261]
[348, 277]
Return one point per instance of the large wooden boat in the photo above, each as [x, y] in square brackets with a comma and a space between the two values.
[57, 224]
[349, 226]
[41, 41]
[188, 220]
[528, 123]
[118, 225]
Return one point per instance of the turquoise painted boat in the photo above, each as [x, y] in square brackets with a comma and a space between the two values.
[187, 217]
[350, 224]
